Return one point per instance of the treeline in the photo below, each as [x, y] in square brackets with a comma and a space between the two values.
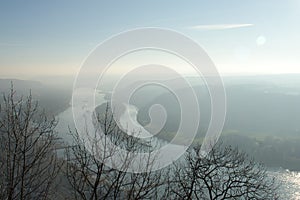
[31, 167]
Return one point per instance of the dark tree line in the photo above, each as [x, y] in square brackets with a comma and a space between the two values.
[31, 169]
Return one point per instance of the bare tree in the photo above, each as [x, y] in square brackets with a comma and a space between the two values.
[28, 160]
[90, 178]
[225, 173]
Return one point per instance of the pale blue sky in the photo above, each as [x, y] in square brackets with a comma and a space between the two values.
[242, 37]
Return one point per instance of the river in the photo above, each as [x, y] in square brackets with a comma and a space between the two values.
[289, 181]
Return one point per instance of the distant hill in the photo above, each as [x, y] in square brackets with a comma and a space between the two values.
[50, 98]
[258, 106]
[263, 115]
[22, 85]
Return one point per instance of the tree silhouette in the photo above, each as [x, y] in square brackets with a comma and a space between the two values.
[225, 173]
[90, 178]
[28, 161]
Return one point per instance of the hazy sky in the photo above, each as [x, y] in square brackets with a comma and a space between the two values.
[53, 37]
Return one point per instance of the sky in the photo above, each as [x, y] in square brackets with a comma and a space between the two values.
[49, 38]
